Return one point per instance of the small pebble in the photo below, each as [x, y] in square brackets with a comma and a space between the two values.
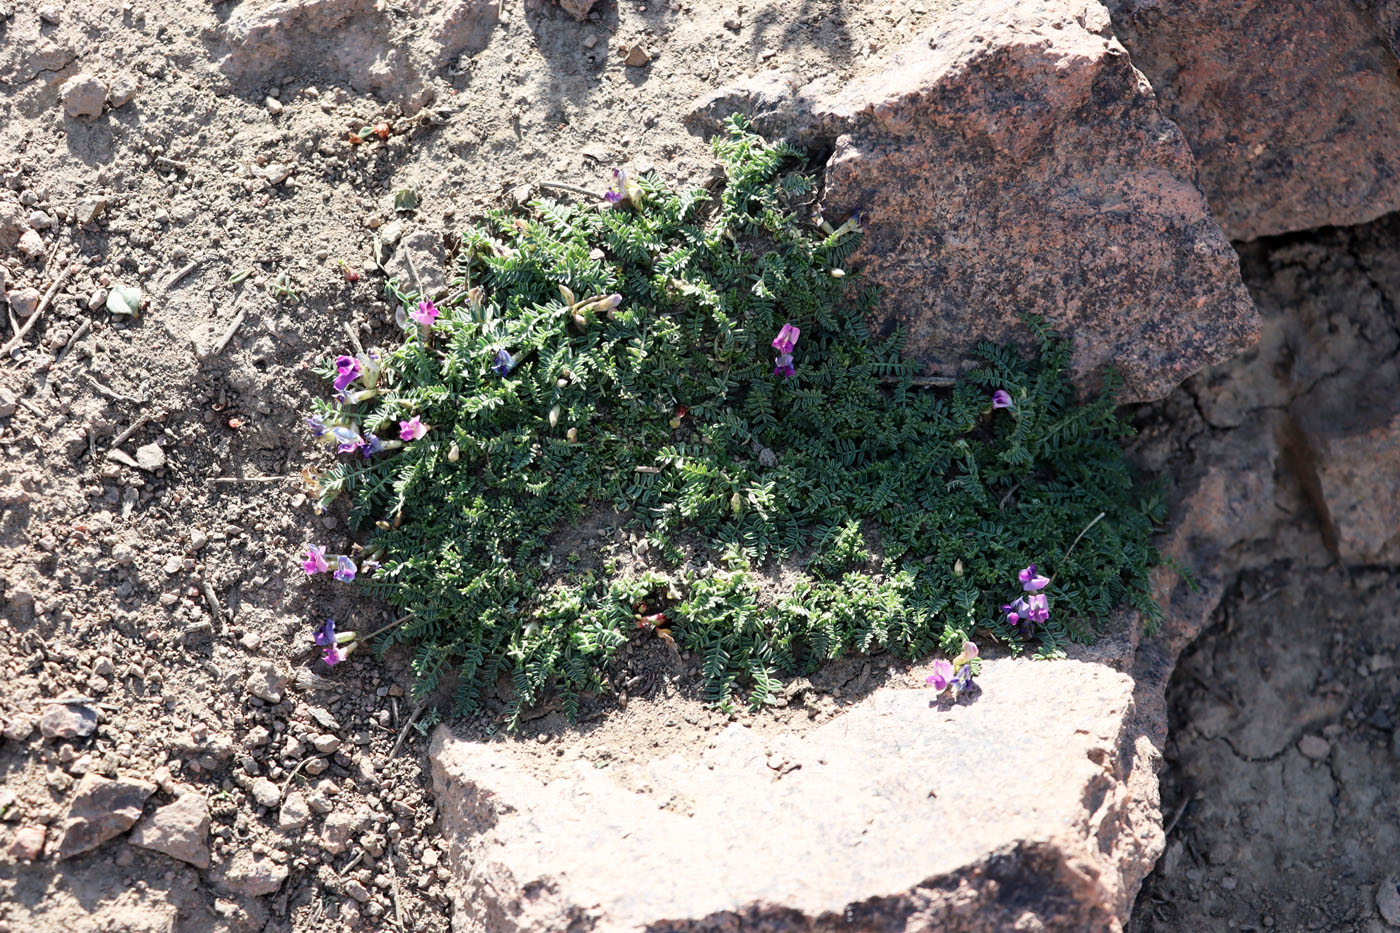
[1314, 747]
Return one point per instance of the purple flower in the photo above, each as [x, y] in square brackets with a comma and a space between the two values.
[348, 440]
[325, 634]
[1038, 608]
[332, 655]
[786, 339]
[373, 445]
[347, 371]
[1030, 581]
[318, 427]
[624, 190]
[1016, 611]
[1001, 399]
[942, 675]
[368, 567]
[412, 429]
[344, 569]
[315, 560]
[504, 363]
[782, 366]
[425, 313]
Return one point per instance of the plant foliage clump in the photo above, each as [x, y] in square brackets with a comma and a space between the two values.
[779, 521]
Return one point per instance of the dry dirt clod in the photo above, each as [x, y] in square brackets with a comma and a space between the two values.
[68, 721]
[28, 844]
[179, 829]
[83, 96]
[101, 809]
[636, 56]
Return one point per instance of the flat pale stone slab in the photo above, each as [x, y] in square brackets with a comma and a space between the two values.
[895, 806]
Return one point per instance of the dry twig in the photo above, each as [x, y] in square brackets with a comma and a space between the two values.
[39, 311]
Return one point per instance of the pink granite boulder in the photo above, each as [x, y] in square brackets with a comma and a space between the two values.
[1292, 107]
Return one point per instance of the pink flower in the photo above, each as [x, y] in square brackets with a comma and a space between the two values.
[1015, 611]
[1038, 608]
[315, 561]
[942, 675]
[786, 339]
[425, 314]
[1001, 399]
[412, 429]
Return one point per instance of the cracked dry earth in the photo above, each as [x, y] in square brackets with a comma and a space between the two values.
[1283, 756]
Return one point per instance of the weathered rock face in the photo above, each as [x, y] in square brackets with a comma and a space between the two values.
[1012, 160]
[1292, 107]
[968, 816]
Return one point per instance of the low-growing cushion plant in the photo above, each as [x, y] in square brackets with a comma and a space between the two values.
[765, 504]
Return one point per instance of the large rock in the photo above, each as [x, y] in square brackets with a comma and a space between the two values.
[969, 817]
[101, 809]
[1012, 160]
[1292, 107]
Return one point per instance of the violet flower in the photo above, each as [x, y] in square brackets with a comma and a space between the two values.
[315, 560]
[425, 314]
[344, 569]
[317, 425]
[1016, 611]
[348, 440]
[412, 429]
[782, 366]
[373, 445]
[337, 645]
[1001, 399]
[347, 371]
[942, 675]
[786, 339]
[504, 363]
[1030, 581]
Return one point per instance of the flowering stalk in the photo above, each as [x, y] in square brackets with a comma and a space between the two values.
[1034, 608]
[317, 561]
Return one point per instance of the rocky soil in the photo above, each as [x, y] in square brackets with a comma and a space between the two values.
[174, 759]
